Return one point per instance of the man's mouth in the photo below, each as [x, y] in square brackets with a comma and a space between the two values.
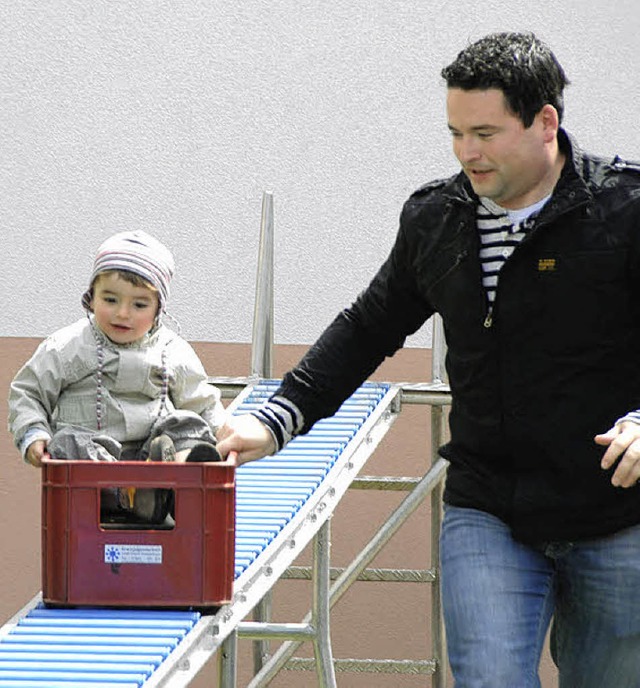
[478, 173]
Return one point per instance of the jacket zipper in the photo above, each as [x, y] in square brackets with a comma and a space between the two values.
[488, 320]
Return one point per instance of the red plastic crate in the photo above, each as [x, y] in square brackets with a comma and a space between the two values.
[87, 563]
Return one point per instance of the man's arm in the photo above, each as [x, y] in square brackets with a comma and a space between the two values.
[374, 327]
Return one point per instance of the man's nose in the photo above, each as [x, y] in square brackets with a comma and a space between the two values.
[467, 149]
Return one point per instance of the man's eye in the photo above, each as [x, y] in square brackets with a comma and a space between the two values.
[485, 136]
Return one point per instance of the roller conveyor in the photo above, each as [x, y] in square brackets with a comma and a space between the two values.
[281, 502]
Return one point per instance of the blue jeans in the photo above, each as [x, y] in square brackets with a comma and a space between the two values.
[499, 597]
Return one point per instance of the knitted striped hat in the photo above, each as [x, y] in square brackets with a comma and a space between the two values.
[136, 252]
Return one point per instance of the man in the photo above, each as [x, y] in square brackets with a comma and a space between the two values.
[531, 254]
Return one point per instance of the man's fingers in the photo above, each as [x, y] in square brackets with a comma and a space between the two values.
[245, 435]
[627, 473]
[623, 445]
[606, 438]
[618, 440]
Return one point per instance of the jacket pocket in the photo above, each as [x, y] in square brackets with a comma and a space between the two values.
[585, 297]
[79, 410]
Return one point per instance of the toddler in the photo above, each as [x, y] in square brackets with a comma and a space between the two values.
[118, 384]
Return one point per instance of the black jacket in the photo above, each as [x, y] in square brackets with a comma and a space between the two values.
[558, 362]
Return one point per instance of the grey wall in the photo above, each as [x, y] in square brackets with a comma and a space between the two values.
[175, 115]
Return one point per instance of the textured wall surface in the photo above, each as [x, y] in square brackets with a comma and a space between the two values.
[176, 116]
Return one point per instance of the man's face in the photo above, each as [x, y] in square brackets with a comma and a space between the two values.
[503, 160]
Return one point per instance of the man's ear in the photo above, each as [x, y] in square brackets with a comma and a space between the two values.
[550, 122]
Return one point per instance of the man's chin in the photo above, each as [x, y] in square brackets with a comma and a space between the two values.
[481, 184]
[484, 190]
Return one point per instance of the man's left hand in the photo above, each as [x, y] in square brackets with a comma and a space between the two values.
[623, 443]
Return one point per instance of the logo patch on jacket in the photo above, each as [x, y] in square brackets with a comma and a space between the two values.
[547, 265]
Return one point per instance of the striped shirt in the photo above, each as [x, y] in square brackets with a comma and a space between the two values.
[500, 231]
[282, 418]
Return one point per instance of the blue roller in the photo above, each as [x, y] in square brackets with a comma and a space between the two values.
[87, 647]
[299, 467]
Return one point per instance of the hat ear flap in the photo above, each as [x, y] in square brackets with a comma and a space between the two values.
[159, 313]
[87, 300]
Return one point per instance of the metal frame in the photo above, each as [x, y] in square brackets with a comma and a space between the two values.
[262, 367]
[437, 395]
[317, 627]
[430, 483]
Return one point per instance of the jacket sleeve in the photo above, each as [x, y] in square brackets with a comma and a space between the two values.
[34, 392]
[374, 327]
[190, 389]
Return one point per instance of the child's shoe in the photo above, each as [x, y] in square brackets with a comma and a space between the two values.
[153, 505]
[203, 451]
[161, 448]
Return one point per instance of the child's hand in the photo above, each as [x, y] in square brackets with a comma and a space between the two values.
[36, 452]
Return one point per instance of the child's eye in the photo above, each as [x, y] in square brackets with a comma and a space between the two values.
[109, 299]
[141, 305]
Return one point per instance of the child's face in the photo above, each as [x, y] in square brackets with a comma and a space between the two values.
[124, 312]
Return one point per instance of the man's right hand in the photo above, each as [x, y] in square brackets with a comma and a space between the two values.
[247, 436]
[36, 452]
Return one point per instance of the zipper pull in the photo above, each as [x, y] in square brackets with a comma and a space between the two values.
[488, 321]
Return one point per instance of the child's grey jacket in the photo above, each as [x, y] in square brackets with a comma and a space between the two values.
[59, 384]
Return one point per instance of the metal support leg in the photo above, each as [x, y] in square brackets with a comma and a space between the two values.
[318, 630]
[262, 340]
[262, 648]
[227, 662]
[320, 614]
[262, 367]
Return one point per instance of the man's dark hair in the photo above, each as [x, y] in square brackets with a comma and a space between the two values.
[518, 64]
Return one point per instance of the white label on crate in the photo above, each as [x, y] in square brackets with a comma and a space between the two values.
[133, 554]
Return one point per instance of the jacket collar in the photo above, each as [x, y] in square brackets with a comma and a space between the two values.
[572, 189]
